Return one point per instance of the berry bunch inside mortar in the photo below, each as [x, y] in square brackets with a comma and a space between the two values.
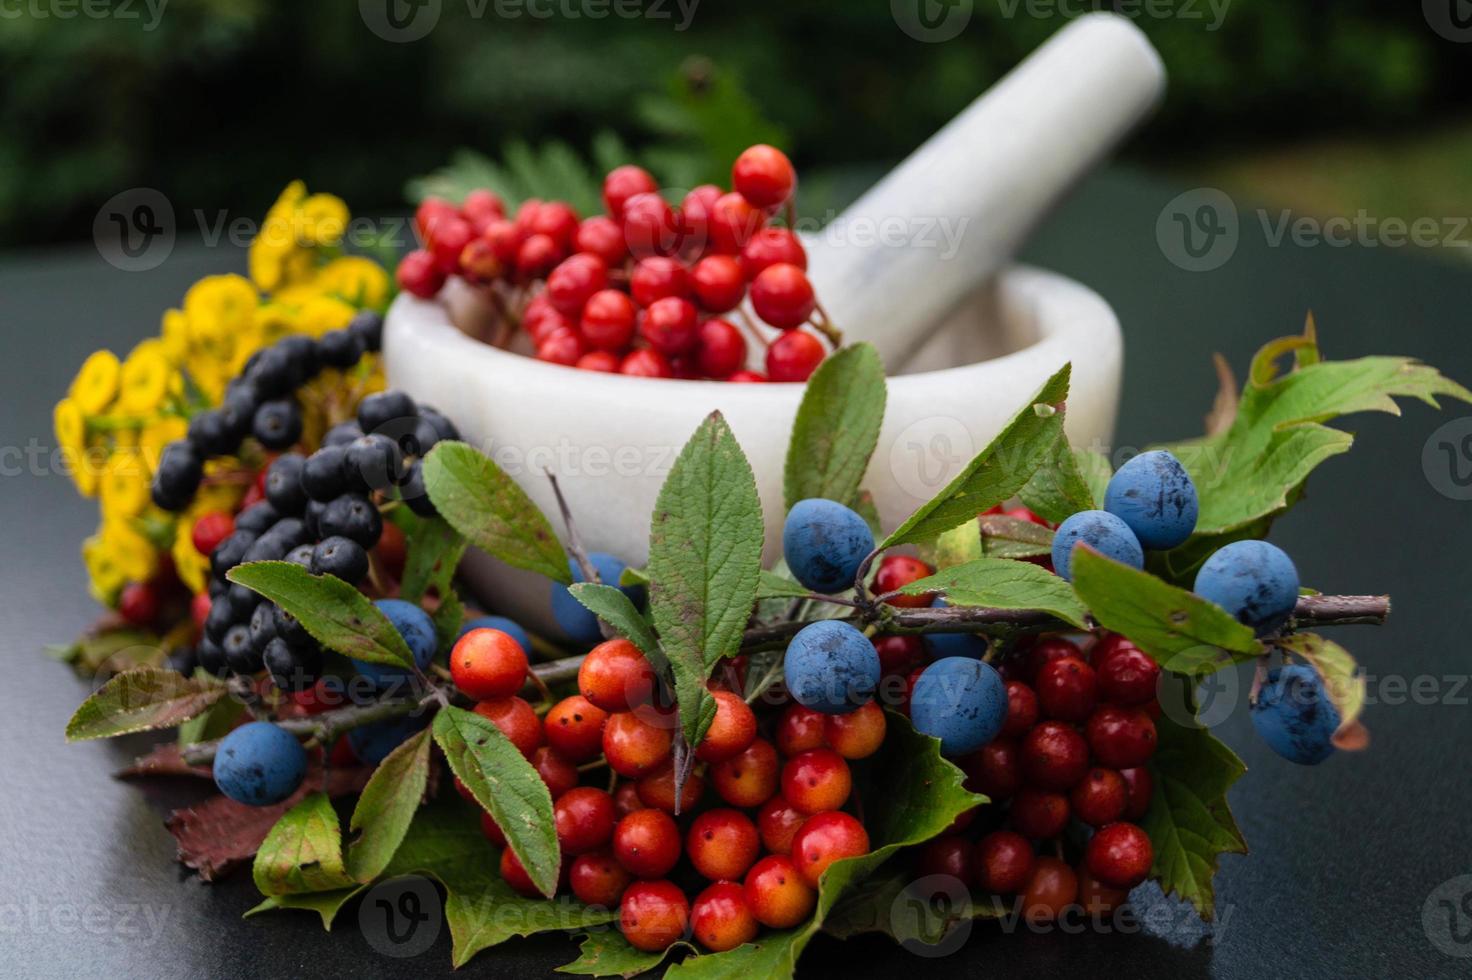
[649, 288]
[994, 698]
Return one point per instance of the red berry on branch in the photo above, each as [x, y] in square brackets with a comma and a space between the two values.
[602, 361]
[481, 207]
[1139, 784]
[782, 296]
[748, 779]
[695, 212]
[1051, 888]
[732, 223]
[948, 855]
[431, 211]
[1127, 675]
[623, 183]
[558, 221]
[626, 798]
[562, 346]
[1054, 756]
[209, 530]
[651, 226]
[896, 572]
[730, 732]
[602, 237]
[777, 821]
[647, 842]
[1022, 710]
[615, 676]
[794, 356]
[1002, 862]
[646, 363]
[584, 819]
[658, 789]
[596, 878]
[536, 257]
[633, 746]
[560, 775]
[816, 780]
[657, 276]
[199, 609]
[722, 348]
[899, 653]
[777, 892]
[1047, 649]
[825, 838]
[447, 239]
[995, 769]
[799, 729]
[479, 264]
[722, 844]
[1039, 814]
[720, 919]
[418, 274]
[1122, 738]
[671, 326]
[746, 378]
[771, 246]
[575, 279]
[138, 603]
[608, 320]
[1119, 855]
[505, 240]
[574, 728]
[517, 721]
[653, 914]
[1100, 798]
[858, 734]
[1066, 689]
[718, 283]
[514, 874]
[1096, 897]
[763, 175]
[488, 826]
[487, 663]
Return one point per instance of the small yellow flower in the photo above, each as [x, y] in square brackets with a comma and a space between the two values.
[144, 380]
[124, 487]
[359, 281]
[322, 220]
[323, 313]
[71, 439]
[175, 335]
[128, 549]
[156, 435]
[105, 577]
[96, 383]
[220, 305]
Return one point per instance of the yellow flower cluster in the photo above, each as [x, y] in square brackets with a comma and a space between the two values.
[119, 415]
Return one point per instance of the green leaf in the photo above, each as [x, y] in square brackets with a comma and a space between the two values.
[916, 795]
[1012, 537]
[705, 553]
[448, 619]
[140, 700]
[1185, 633]
[1000, 583]
[996, 473]
[837, 427]
[445, 843]
[1277, 438]
[1058, 489]
[434, 552]
[325, 904]
[303, 851]
[608, 954]
[386, 807]
[478, 499]
[1344, 682]
[505, 784]
[957, 546]
[339, 616]
[770, 585]
[214, 722]
[615, 608]
[1189, 822]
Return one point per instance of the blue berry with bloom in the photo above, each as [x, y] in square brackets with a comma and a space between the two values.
[824, 543]
[961, 701]
[259, 764]
[1295, 715]
[1154, 495]
[1253, 580]
[831, 667]
[575, 619]
[1100, 530]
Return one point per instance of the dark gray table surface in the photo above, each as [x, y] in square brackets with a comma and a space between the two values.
[1344, 857]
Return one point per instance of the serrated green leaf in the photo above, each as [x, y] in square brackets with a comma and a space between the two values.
[1058, 489]
[506, 785]
[1189, 822]
[608, 954]
[705, 552]
[1000, 583]
[837, 427]
[1344, 682]
[996, 473]
[445, 843]
[1013, 537]
[434, 550]
[140, 700]
[337, 615]
[478, 499]
[325, 904]
[386, 806]
[615, 608]
[917, 795]
[303, 851]
[1183, 632]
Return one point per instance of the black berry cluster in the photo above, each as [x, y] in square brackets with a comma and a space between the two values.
[320, 511]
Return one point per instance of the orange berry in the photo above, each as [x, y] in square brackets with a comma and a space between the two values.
[487, 663]
[777, 893]
[858, 734]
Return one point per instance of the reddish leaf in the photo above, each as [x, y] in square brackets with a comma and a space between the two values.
[165, 760]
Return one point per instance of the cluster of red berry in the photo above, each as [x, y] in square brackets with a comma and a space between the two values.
[757, 853]
[646, 289]
[1076, 743]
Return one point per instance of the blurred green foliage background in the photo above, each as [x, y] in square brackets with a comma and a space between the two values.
[219, 102]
